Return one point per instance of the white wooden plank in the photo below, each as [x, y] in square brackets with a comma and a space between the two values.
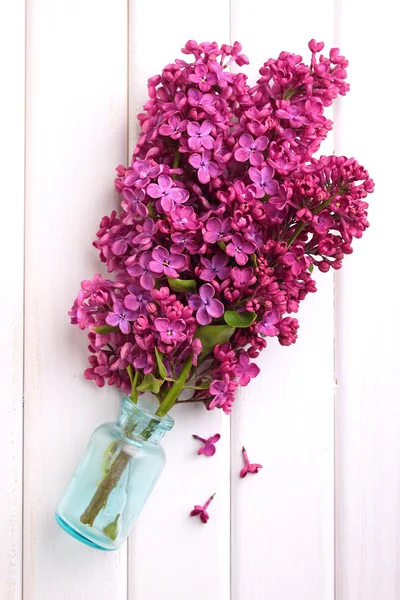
[171, 555]
[76, 136]
[12, 150]
[282, 518]
[368, 355]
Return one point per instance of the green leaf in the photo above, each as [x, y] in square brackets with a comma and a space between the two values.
[108, 457]
[182, 285]
[150, 384]
[202, 386]
[222, 245]
[161, 367]
[254, 259]
[235, 319]
[311, 268]
[211, 335]
[111, 530]
[106, 329]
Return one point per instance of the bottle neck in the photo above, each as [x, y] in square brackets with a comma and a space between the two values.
[140, 421]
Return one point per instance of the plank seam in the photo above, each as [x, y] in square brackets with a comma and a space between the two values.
[24, 314]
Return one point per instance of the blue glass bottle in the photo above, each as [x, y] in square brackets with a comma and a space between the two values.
[116, 475]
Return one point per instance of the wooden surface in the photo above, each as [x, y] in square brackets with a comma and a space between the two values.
[12, 157]
[321, 519]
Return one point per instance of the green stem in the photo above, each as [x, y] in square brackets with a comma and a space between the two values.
[110, 481]
[175, 164]
[174, 391]
[134, 382]
[301, 226]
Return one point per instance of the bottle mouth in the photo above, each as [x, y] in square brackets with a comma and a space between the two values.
[146, 411]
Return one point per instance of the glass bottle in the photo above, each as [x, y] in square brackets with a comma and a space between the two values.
[116, 475]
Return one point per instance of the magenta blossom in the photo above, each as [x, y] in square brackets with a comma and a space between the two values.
[246, 370]
[201, 101]
[134, 204]
[263, 181]
[206, 167]
[293, 114]
[267, 325]
[251, 149]
[169, 195]
[142, 270]
[184, 241]
[296, 260]
[240, 249]
[217, 230]
[165, 264]
[243, 277]
[248, 467]
[199, 135]
[208, 447]
[141, 173]
[203, 77]
[120, 317]
[222, 391]
[175, 127]
[323, 223]
[216, 267]
[184, 218]
[206, 305]
[223, 209]
[170, 332]
[201, 511]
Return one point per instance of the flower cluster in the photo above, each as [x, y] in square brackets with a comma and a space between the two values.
[224, 214]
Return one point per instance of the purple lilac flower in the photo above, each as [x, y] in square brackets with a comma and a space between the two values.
[323, 222]
[220, 390]
[276, 207]
[263, 181]
[134, 202]
[142, 296]
[206, 167]
[201, 511]
[184, 241]
[199, 135]
[143, 171]
[145, 362]
[131, 302]
[297, 260]
[206, 305]
[240, 249]
[248, 467]
[202, 101]
[169, 194]
[184, 218]
[120, 317]
[203, 77]
[216, 267]
[267, 325]
[175, 127]
[121, 243]
[251, 149]
[165, 264]
[141, 268]
[294, 115]
[246, 370]
[217, 230]
[208, 447]
[170, 332]
[147, 229]
[243, 277]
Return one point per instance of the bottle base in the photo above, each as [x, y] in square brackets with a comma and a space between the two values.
[78, 536]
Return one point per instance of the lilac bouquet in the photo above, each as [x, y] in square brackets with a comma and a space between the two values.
[224, 215]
